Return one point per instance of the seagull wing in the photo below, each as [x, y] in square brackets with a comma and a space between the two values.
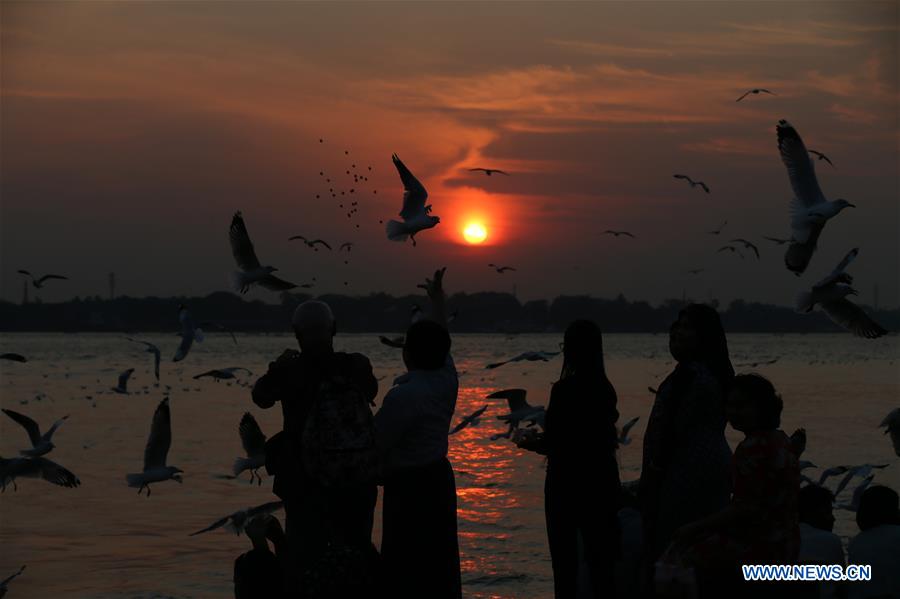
[477, 169]
[414, 194]
[704, 186]
[48, 277]
[252, 437]
[501, 172]
[123, 378]
[801, 171]
[217, 524]
[798, 254]
[835, 274]
[273, 283]
[515, 398]
[853, 318]
[187, 339]
[628, 425]
[52, 472]
[743, 96]
[49, 434]
[160, 437]
[241, 246]
[30, 426]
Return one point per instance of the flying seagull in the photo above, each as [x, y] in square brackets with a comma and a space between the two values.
[189, 333]
[821, 156]
[40, 444]
[122, 385]
[13, 357]
[618, 233]
[809, 208]
[150, 349]
[624, 439]
[237, 521]
[415, 213]
[529, 356]
[472, 419]
[254, 442]
[862, 471]
[755, 91]
[155, 469]
[223, 373]
[490, 171]
[730, 248]
[891, 423]
[719, 230]
[853, 504]
[500, 269]
[519, 410]
[251, 271]
[5, 582]
[831, 294]
[310, 242]
[692, 182]
[11, 469]
[39, 283]
[747, 245]
[778, 240]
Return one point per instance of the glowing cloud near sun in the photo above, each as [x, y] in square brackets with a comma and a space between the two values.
[475, 233]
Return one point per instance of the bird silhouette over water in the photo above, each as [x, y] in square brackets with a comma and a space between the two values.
[189, 333]
[415, 214]
[747, 245]
[254, 442]
[39, 283]
[237, 522]
[150, 349]
[251, 271]
[757, 90]
[40, 444]
[470, 420]
[218, 374]
[810, 210]
[156, 452]
[618, 233]
[831, 294]
[122, 384]
[693, 183]
[311, 242]
[529, 356]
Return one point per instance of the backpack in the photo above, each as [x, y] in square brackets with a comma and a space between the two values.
[338, 440]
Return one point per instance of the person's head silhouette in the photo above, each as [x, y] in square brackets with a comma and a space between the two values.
[815, 507]
[314, 326]
[753, 404]
[426, 347]
[582, 349]
[878, 505]
[698, 336]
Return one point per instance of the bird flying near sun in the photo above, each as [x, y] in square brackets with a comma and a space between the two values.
[475, 233]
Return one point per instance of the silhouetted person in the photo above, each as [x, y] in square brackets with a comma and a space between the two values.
[759, 525]
[322, 393]
[259, 573]
[419, 549]
[685, 474]
[877, 544]
[582, 488]
[818, 545]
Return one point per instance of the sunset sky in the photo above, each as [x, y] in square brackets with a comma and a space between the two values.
[130, 133]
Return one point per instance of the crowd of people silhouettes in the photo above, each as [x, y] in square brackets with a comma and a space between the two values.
[698, 512]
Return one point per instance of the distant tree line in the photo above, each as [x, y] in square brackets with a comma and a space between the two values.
[485, 312]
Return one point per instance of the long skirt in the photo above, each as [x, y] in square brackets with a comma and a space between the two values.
[419, 548]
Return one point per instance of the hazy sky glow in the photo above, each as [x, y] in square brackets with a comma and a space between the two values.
[131, 132]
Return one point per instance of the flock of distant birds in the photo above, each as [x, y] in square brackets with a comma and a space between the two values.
[810, 211]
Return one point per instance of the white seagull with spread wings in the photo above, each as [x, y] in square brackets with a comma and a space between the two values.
[251, 271]
[40, 444]
[415, 213]
[156, 451]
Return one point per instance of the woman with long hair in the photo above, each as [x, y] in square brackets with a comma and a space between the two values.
[685, 474]
[582, 489]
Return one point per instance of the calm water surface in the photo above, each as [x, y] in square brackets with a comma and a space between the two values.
[103, 540]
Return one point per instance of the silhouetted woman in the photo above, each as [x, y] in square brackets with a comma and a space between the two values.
[582, 490]
[685, 474]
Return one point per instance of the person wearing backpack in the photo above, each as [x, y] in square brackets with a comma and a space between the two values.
[325, 460]
[420, 549]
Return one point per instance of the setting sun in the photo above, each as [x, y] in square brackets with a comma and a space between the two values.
[475, 233]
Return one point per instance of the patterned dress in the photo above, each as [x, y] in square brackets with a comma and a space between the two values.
[766, 480]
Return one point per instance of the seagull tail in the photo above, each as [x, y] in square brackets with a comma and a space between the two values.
[240, 465]
[396, 231]
[804, 301]
[134, 480]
